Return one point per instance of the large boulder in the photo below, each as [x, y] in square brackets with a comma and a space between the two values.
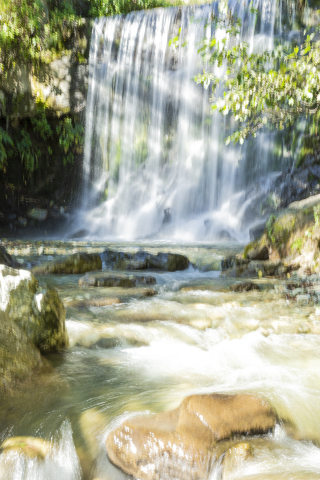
[141, 260]
[39, 312]
[107, 279]
[18, 356]
[72, 264]
[292, 236]
[182, 443]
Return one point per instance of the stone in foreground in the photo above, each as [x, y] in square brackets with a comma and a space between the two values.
[39, 312]
[73, 264]
[18, 356]
[181, 443]
[116, 280]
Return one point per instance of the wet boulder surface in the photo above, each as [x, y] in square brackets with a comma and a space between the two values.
[38, 311]
[183, 443]
[142, 260]
[111, 279]
[72, 264]
[18, 356]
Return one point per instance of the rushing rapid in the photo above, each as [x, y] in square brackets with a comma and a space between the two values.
[130, 354]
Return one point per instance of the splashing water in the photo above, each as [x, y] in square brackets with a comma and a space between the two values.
[155, 161]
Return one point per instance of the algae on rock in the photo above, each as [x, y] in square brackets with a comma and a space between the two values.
[39, 312]
[18, 356]
[72, 264]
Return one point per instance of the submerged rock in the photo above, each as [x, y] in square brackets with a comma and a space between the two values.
[181, 443]
[32, 447]
[244, 287]
[116, 280]
[73, 264]
[39, 312]
[18, 356]
[169, 262]
[235, 457]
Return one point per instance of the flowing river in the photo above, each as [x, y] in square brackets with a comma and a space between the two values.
[131, 353]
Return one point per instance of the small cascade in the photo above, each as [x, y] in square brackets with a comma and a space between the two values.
[155, 162]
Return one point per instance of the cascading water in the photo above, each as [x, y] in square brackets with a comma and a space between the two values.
[155, 162]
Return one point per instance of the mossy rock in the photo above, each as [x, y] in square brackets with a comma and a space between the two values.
[39, 312]
[141, 260]
[18, 356]
[257, 250]
[72, 264]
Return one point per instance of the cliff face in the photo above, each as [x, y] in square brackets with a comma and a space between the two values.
[61, 85]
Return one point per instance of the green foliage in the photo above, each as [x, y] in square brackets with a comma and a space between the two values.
[269, 227]
[41, 125]
[297, 245]
[28, 152]
[273, 88]
[115, 7]
[5, 139]
[316, 214]
[71, 137]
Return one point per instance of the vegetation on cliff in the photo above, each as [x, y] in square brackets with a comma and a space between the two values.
[274, 87]
[36, 140]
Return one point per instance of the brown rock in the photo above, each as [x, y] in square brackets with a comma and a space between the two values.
[235, 457]
[181, 443]
[244, 287]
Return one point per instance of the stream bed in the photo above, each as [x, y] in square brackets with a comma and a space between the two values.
[132, 351]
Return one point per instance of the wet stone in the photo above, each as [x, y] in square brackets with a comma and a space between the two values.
[32, 447]
[141, 260]
[181, 443]
[116, 280]
[235, 457]
[244, 287]
[72, 264]
[38, 311]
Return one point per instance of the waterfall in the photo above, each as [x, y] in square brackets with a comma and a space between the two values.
[155, 161]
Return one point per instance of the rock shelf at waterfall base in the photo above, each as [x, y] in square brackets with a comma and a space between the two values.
[290, 241]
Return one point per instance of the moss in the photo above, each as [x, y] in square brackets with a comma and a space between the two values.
[297, 245]
[249, 247]
[282, 229]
